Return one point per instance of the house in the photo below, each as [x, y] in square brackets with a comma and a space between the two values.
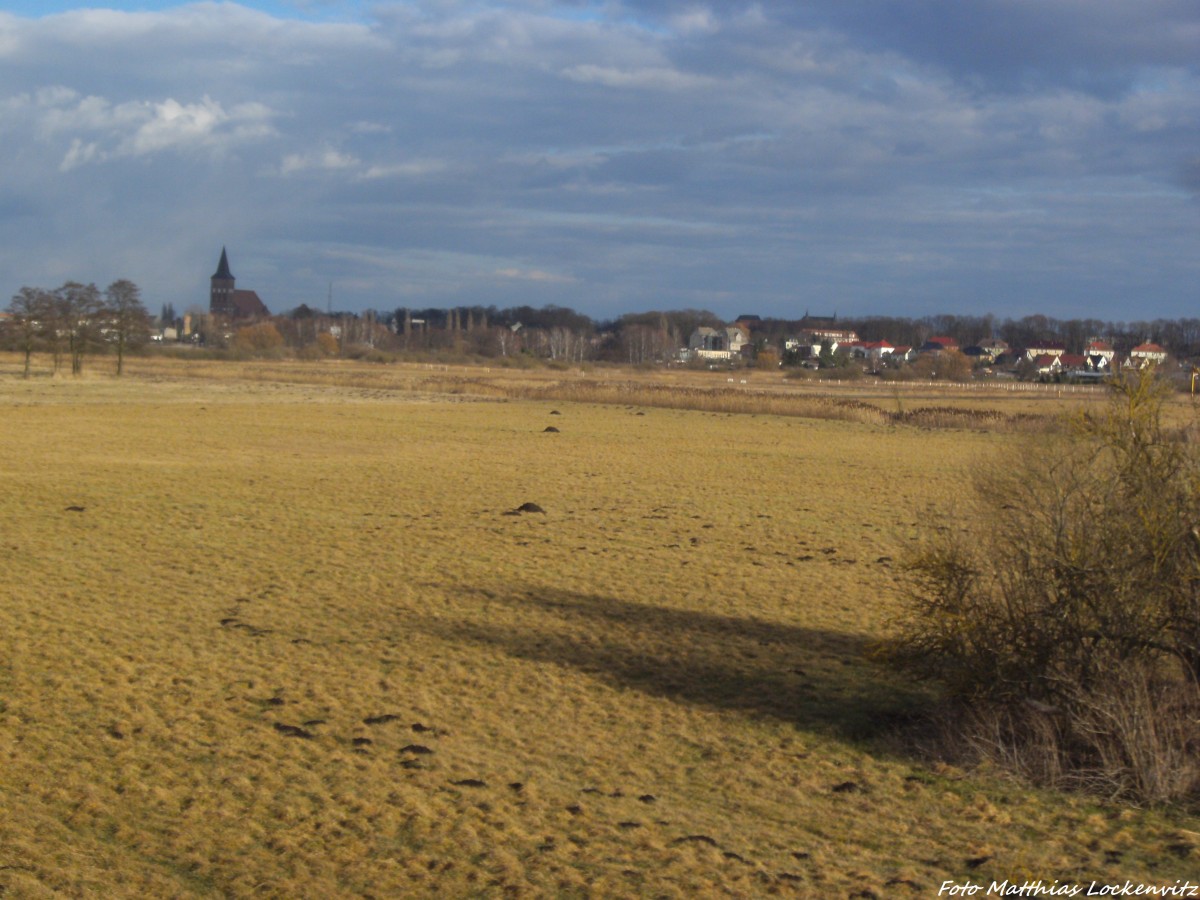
[993, 348]
[987, 351]
[1098, 355]
[1044, 348]
[809, 341]
[1102, 349]
[939, 345]
[737, 337]
[1047, 365]
[1147, 354]
[226, 301]
[835, 336]
[904, 353]
[876, 351]
[717, 343]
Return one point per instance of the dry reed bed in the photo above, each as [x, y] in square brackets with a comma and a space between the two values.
[760, 402]
[768, 393]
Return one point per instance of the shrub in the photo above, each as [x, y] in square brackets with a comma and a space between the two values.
[1064, 609]
[262, 338]
[326, 344]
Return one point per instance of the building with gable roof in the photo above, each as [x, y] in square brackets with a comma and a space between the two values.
[1045, 348]
[224, 299]
[1147, 354]
[939, 345]
[717, 343]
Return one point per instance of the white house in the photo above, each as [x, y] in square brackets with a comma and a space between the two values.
[1048, 364]
[716, 343]
[1099, 355]
[1147, 354]
[809, 341]
[1044, 348]
[873, 351]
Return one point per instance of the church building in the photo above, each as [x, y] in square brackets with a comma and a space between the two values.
[225, 300]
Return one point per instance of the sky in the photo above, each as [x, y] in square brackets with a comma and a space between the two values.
[857, 157]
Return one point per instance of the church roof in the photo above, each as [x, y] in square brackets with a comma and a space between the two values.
[223, 267]
[247, 305]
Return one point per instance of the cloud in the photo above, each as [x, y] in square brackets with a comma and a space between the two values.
[652, 78]
[97, 130]
[415, 168]
[516, 274]
[1094, 45]
[881, 157]
[1189, 175]
[79, 154]
[326, 160]
[174, 125]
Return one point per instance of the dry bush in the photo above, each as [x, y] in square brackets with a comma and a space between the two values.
[1144, 732]
[1064, 608]
[326, 344]
[262, 338]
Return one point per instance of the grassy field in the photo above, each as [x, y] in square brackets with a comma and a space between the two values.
[268, 633]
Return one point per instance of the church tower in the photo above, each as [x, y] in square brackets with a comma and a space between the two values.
[220, 298]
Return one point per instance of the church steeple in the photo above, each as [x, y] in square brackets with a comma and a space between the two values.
[223, 267]
[220, 298]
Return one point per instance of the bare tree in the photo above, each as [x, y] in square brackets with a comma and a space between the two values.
[126, 318]
[29, 313]
[78, 320]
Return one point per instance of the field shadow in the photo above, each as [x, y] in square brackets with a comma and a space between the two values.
[815, 678]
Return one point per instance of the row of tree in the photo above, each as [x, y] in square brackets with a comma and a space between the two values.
[650, 336]
[552, 332]
[75, 319]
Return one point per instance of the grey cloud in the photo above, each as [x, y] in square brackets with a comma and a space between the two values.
[1004, 44]
[1189, 175]
[757, 157]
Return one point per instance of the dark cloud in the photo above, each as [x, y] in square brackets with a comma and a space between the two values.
[1189, 175]
[1009, 44]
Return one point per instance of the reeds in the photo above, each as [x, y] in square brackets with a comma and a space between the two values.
[665, 390]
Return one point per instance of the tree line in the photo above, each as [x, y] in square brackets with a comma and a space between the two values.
[644, 337]
[552, 333]
[76, 319]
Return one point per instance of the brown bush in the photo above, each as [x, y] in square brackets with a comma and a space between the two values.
[327, 344]
[1064, 607]
[258, 339]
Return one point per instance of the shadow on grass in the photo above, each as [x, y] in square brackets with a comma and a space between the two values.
[814, 678]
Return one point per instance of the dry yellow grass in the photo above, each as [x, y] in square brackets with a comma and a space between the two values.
[220, 675]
